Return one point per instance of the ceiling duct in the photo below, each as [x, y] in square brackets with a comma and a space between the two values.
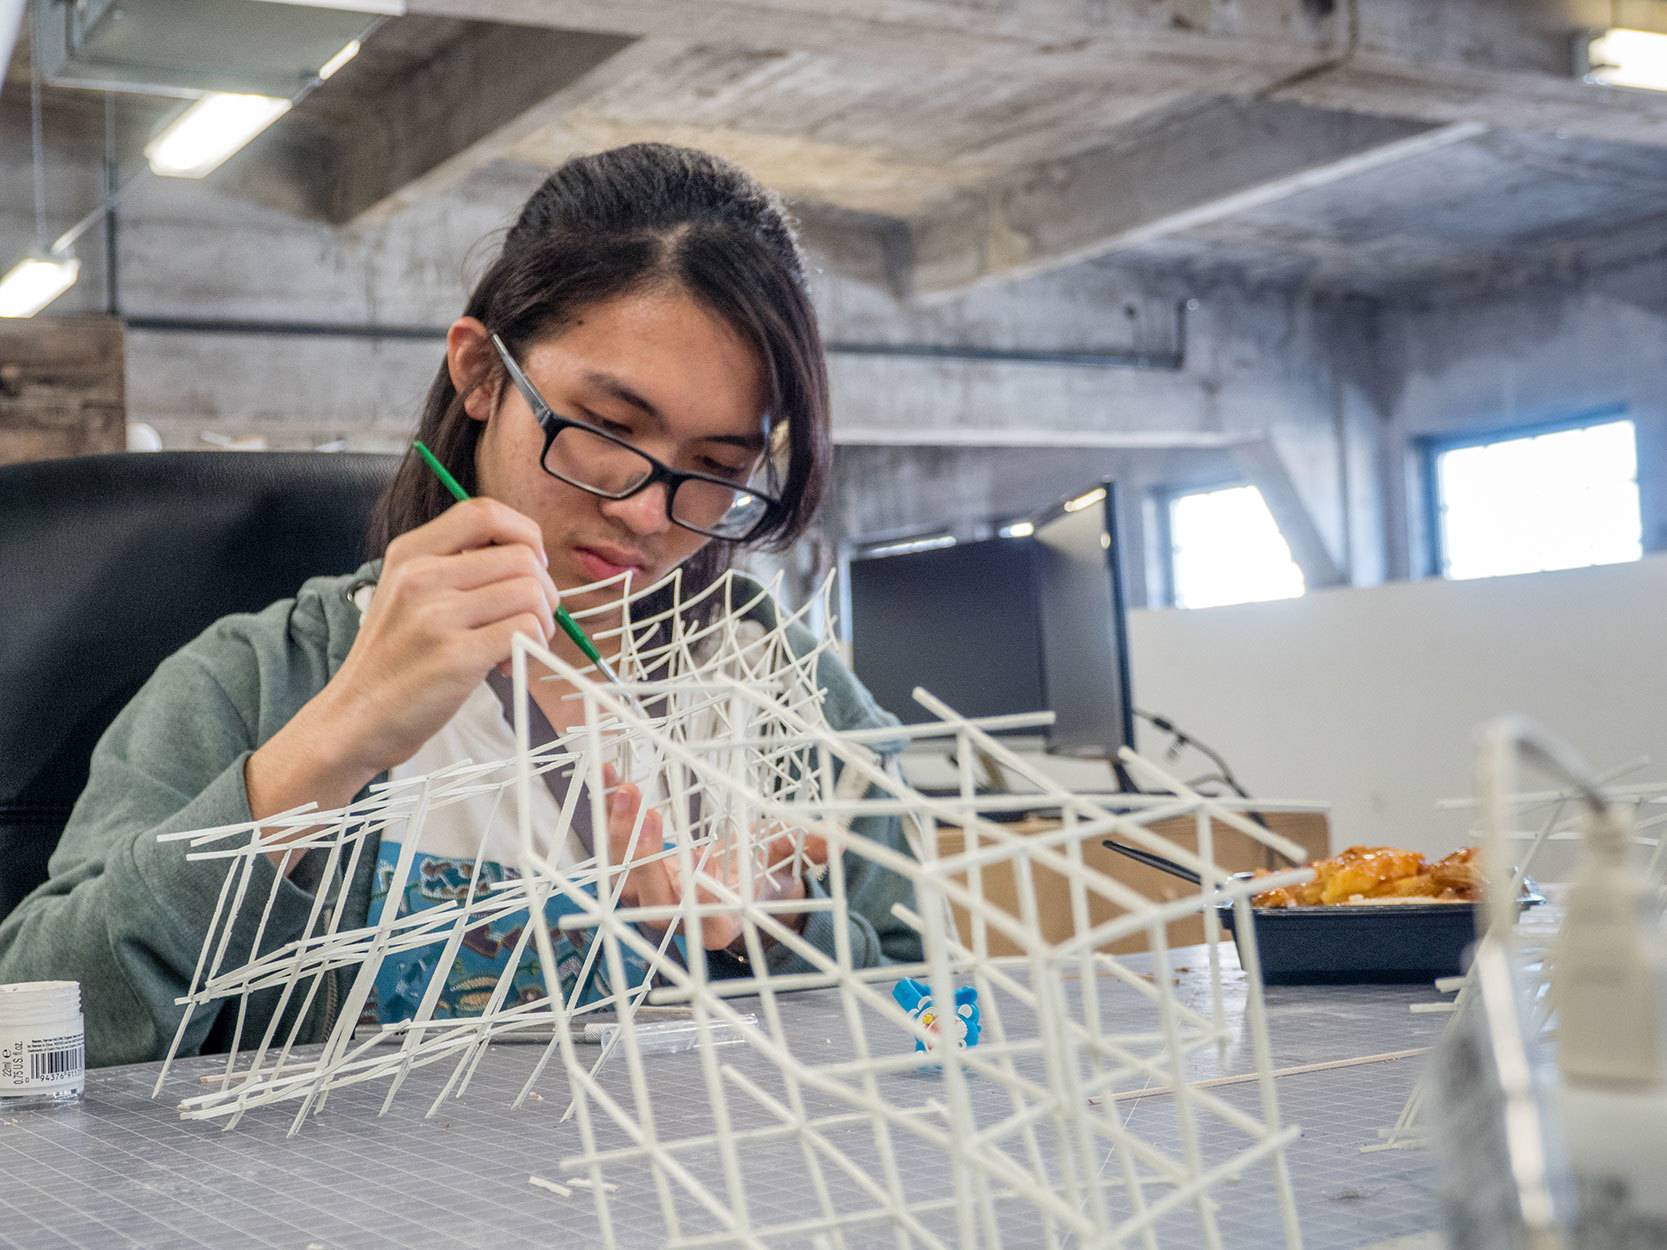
[189, 47]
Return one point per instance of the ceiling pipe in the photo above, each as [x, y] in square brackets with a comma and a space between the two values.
[1170, 362]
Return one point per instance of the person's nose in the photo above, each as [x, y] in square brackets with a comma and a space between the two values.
[643, 513]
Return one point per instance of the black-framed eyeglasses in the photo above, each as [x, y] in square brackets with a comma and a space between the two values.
[594, 460]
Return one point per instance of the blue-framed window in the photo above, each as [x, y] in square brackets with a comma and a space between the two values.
[1226, 548]
[1529, 500]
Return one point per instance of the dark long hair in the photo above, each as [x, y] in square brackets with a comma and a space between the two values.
[626, 220]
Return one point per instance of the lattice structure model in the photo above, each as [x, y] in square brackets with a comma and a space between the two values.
[1022, 1133]
[1521, 828]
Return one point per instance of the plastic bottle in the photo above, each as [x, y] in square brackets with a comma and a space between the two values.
[42, 1045]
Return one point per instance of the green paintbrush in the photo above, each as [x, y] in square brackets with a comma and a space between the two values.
[569, 626]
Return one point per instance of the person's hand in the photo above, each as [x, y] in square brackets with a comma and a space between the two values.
[452, 595]
[775, 869]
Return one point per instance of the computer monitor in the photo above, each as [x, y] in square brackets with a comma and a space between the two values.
[958, 619]
[1034, 621]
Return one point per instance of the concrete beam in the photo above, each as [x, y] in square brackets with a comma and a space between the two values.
[1207, 163]
[1259, 460]
[457, 113]
[1029, 438]
[1500, 62]
[1505, 63]
[917, 34]
[462, 109]
[1551, 104]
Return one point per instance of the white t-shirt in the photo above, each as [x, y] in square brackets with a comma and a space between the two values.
[485, 824]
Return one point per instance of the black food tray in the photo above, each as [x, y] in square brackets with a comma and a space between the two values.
[1363, 943]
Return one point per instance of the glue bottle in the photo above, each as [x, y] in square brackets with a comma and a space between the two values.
[42, 1044]
[1609, 987]
[1606, 979]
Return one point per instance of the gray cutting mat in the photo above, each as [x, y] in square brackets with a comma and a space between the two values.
[122, 1170]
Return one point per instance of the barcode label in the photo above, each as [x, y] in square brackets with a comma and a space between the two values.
[34, 1064]
[56, 1065]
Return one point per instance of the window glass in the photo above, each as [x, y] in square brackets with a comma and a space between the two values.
[1226, 548]
[1546, 501]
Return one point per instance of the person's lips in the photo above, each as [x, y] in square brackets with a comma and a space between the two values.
[600, 563]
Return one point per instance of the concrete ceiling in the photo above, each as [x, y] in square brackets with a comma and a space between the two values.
[1494, 204]
[1353, 144]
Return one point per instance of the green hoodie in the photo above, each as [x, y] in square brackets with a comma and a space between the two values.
[126, 915]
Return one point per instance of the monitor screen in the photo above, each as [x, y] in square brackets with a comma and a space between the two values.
[1085, 656]
[1005, 625]
[960, 621]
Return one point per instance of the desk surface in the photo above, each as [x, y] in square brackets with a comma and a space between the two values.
[123, 1170]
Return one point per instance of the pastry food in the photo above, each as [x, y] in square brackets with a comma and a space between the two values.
[1382, 874]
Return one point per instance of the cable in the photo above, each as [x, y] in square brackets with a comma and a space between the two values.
[35, 134]
[1223, 774]
[1182, 740]
[112, 290]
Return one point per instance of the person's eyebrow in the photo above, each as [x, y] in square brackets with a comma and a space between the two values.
[615, 387]
[747, 442]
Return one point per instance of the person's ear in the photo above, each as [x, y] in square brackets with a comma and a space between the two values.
[469, 357]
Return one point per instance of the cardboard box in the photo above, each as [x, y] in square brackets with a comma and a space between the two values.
[1233, 850]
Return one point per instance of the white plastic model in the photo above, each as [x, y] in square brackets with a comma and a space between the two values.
[1017, 1140]
[1522, 829]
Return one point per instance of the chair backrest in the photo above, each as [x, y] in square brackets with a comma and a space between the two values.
[109, 564]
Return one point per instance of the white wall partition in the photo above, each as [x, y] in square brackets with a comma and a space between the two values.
[1370, 697]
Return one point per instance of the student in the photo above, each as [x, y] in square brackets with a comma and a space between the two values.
[653, 300]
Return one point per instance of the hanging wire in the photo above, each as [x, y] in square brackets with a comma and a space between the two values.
[112, 190]
[35, 131]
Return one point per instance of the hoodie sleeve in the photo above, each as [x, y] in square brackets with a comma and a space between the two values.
[126, 915]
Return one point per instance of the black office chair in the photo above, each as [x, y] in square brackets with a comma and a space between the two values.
[109, 564]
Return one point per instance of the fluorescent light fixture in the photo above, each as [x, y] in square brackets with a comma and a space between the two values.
[200, 139]
[913, 544]
[387, 8]
[1082, 501]
[34, 282]
[1627, 58]
[1019, 529]
[340, 59]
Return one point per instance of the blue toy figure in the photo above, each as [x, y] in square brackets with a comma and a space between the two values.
[915, 997]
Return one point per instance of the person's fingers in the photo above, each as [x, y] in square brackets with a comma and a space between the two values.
[653, 829]
[789, 849]
[493, 644]
[623, 804]
[487, 605]
[816, 846]
[719, 932]
[485, 544]
[452, 596]
[779, 850]
[647, 885]
[656, 884]
[650, 837]
[481, 566]
[716, 931]
[472, 523]
[623, 801]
